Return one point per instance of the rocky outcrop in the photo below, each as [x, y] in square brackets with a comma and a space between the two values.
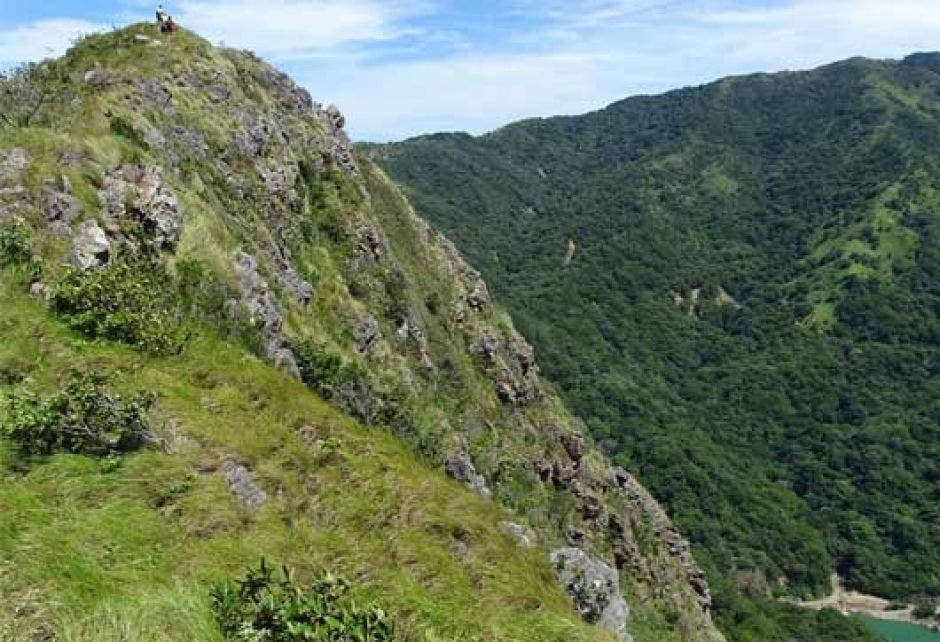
[13, 162]
[366, 333]
[341, 149]
[523, 535]
[676, 546]
[139, 194]
[91, 247]
[243, 484]
[59, 205]
[595, 588]
[459, 466]
[259, 304]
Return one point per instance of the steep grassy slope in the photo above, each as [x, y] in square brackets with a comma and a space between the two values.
[126, 550]
[750, 320]
[188, 221]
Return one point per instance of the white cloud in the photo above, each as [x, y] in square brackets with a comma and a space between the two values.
[402, 67]
[42, 39]
[286, 27]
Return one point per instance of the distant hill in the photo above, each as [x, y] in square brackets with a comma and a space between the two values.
[750, 318]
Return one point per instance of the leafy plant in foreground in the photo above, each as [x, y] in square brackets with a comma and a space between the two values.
[269, 605]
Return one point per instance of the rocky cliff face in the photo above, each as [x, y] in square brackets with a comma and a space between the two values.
[173, 151]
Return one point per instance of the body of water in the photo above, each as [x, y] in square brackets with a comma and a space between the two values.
[902, 631]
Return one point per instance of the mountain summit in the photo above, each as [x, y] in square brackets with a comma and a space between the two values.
[225, 337]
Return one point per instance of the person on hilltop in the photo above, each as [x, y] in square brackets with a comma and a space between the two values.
[165, 21]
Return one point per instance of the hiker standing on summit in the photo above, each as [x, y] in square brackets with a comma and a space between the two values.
[165, 21]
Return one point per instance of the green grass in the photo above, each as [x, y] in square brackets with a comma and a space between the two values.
[129, 553]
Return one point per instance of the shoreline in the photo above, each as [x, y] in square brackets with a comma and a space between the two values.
[853, 602]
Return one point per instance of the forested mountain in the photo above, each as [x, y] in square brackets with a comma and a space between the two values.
[749, 320]
[228, 344]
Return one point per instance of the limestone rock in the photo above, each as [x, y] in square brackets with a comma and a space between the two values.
[366, 333]
[287, 92]
[241, 482]
[285, 361]
[478, 298]
[13, 162]
[91, 247]
[459, 466]
[595, 588]
[335, 117]
[522, 534]
[59, 205]
[260, 303]
[152, 203]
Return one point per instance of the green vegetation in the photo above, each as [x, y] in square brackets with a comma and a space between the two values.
[83, 418]
[270, 605]
[289, 261]
[128, 548]
[133, 302]
[750, 323]
[15, 247]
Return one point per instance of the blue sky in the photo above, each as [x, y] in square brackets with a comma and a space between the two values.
[403, 67]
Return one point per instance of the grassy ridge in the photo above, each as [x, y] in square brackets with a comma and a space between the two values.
[126, 551]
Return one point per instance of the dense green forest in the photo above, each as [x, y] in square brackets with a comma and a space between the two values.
[750, 318]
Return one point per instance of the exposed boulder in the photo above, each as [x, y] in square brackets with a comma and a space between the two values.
[286, 362]
[485, 347]
[261, 307]
[288, 277]
[242, 483]
[190, 142]
[523, 354]
[13, 162]
[91, 247]
[459, 466]
[156, 95]
[286, 91]
[523, 535]
[151, 202]
[96, 78]
[478, 298]
[370, 243]
[255, 135]
[59, 205]
[676, 546]
[366, 333]
[574, 446]
[334, 117]
[340, 149]
[519, 392]
[595, 588]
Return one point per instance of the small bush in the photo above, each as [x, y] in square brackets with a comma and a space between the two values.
[30, 93]
[270, 605]
[132, 303]
[15, 245]
[925, 610]
[82, 418]
[344, 383]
